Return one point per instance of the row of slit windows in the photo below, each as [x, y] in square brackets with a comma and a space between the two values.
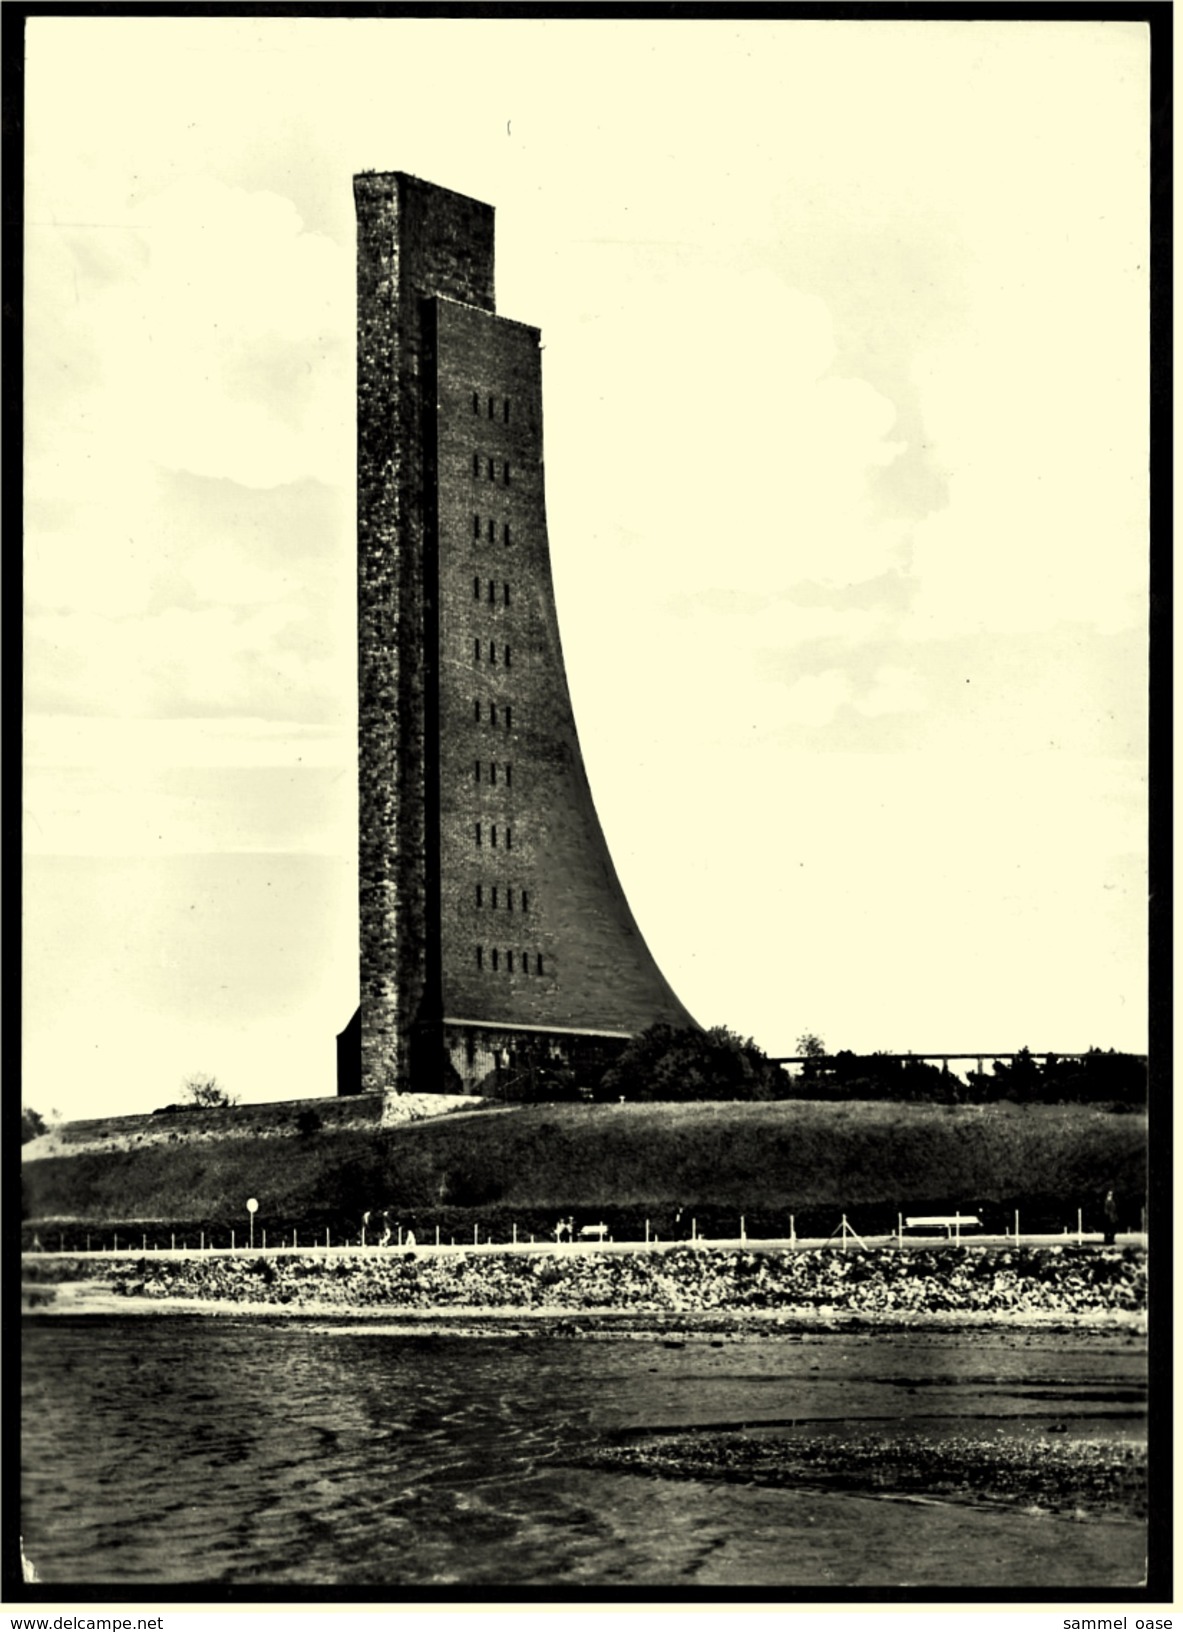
[505, 651]
[495, 955]
[505, 717]
[492, 597]
[492, 401]
[491, 831]
[493, 901]
[491, 773]
[489, 466]
[487, 528]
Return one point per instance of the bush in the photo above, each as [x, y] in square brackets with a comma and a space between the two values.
[668, 1063]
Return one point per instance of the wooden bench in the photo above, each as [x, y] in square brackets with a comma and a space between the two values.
[949, 1222]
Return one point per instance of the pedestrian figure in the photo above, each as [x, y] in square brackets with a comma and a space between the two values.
[1110, 1219]
[410, 1240]
[384, 1238]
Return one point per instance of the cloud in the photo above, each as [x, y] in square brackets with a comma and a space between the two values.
[205, 330]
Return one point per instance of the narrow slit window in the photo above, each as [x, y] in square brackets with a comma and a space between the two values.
[492, 592]
[476, 526]
[476, 464]
[508, 717]
[507, 657]
[509, 962]
[494, 895]
[509, 900]
[493, 773]
[492, 529]
[538, 961]
[477, 769]
[491, 471]
[476, 402]
[493, 836]
[494, 960]
[478, 835]
[505, 473]
[476, 651]
[492, 651]
[476, 709]
[480, 957]
[505, 405]
[505, 533]
[525, 901]
[509, 776]
[490, 407]
[505, 593]
[480, 896]
[476, 589]
[509, 838]
[492, 713]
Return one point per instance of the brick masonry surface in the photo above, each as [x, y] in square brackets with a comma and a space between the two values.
[487, 892]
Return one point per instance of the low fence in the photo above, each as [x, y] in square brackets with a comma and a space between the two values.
[927, 1230]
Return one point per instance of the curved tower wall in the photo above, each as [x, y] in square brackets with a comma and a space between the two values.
[492, 920]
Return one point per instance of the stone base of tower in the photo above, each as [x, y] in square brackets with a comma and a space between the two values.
[517, 1062]
[481, 1057]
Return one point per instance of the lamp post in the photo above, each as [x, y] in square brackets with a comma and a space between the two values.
[252, 1208]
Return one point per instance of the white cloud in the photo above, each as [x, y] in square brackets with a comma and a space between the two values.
[213, 348]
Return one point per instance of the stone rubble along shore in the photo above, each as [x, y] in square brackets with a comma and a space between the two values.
[1042, 1282]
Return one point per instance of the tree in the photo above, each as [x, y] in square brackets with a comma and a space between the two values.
[32, 1124]
[668, 1063]
[205, 1093]
[811, 1046]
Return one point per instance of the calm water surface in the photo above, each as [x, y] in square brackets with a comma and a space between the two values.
[179, 1450]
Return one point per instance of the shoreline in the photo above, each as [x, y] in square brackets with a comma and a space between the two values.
[96, 1299]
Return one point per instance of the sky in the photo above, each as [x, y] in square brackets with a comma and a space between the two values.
[846, 398]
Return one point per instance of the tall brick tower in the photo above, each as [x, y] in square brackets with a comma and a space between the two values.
[493, 927]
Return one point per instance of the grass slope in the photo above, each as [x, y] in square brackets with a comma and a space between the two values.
[626, 1161]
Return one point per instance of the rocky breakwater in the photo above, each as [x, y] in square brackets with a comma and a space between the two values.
[880, 1285]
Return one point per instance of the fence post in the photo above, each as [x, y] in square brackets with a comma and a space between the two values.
[515, 1235]
[264, 1240]
[476, 1235]
[1079, 1226]
[1016, 1226]
[792, 1231]
[173, 1239]
[437, 1235]
[88, 1243]
[743, 1228]
[844, 1232]
[646, 1229]
[957, 1225]
[232, 1241]
[328, 1243]
[203, 1241]
[143, 1243]
[694, 1229]
[293, 1238]
[899, 1229]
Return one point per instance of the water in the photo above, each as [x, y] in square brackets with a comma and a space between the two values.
[234, 1451]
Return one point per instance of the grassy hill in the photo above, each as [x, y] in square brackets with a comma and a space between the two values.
[625, 1163]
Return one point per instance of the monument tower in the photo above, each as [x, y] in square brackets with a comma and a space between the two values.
[493, 926]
